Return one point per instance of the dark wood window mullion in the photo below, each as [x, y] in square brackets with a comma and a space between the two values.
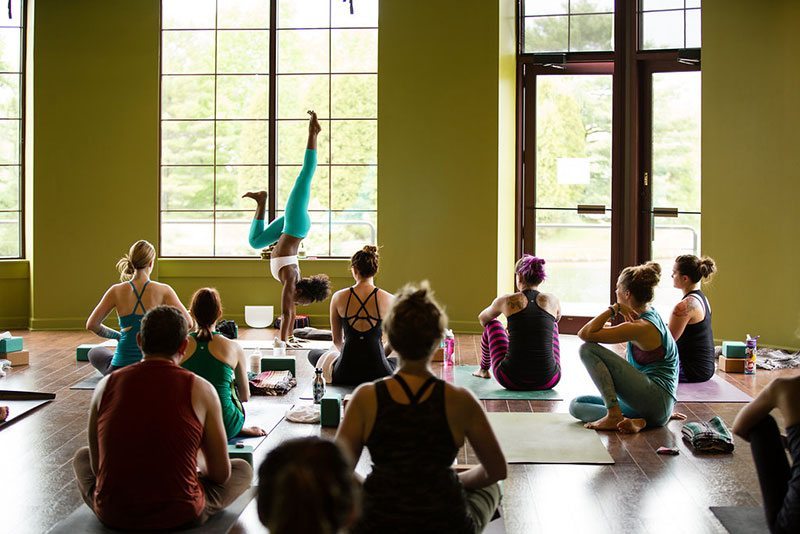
[272, 128]
[330, 126]
[214, 168]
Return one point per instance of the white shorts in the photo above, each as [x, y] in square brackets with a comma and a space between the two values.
[276, 264]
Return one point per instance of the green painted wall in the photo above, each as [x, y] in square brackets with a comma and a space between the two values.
[751, 181]
[14, 288]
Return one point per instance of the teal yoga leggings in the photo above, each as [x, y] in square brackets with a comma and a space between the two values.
[620, 384]
[295, 220]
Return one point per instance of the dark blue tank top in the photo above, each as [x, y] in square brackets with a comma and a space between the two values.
[530, 344]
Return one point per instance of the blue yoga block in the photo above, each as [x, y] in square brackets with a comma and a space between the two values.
[82, 353]
[278, 364]
[10, 344]
[244, 453]
[330, 409]
[733, 349]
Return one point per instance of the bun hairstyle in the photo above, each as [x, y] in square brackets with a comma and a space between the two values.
[415, 323]
[307, 485]
[206, 308]
[695, 268]
[316, 288]
[140, 255]
[531, 269]
[365, 261]
[641, 280]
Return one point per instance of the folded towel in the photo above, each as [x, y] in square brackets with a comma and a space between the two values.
[712, 436]
[313, 333]
[272, 383]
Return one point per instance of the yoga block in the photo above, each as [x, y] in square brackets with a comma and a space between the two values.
[330, 409]
[731, 365]
[245, 453]
[20, 357]
[10, 344]
[438, 356]
[278, 364]
[733, 349]
[83, 351]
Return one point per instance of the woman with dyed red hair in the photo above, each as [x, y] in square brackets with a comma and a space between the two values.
[527, 355]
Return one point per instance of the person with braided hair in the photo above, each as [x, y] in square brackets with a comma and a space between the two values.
[527, 355]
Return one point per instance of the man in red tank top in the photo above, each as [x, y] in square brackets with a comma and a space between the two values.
[147, 423]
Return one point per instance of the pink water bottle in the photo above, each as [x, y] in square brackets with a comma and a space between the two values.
[449, 347]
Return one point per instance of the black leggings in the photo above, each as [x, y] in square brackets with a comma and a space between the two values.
[780, 484]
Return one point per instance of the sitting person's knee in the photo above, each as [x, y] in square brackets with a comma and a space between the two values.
[586, 350]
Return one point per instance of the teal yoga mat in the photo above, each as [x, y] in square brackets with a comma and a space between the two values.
[489, 389]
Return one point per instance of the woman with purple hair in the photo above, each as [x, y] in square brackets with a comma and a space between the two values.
[527, 355]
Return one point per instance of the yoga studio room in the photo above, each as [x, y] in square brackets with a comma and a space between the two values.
[399, 266]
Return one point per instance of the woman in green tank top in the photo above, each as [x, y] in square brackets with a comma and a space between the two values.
[220, 361]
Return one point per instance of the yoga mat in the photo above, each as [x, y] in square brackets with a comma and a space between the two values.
[489, 389]
[266, 345]
[88, 383]
[83, 520]
[497, 526]
[20, 408]
[547, 438]
[261, 413]
[308, 394]
[742, 519]
[715, 390]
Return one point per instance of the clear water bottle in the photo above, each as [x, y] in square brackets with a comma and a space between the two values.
[318, 388]
[750, 351]
[255, 361]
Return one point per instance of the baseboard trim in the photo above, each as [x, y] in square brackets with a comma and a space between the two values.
[13, 323]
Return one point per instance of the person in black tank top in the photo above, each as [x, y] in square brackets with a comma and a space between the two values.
[359, 354]
[690, 322]
[413, 425]
[527, 356]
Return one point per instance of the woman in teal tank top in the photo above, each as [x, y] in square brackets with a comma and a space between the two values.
[220, 361]
[129, 296]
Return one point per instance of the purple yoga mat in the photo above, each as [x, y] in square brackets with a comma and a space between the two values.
[715, 390]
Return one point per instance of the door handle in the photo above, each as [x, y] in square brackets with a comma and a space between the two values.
[665, 212]
[594, 209]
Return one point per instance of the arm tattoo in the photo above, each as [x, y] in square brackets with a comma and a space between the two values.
[107, 332]
[685, 307]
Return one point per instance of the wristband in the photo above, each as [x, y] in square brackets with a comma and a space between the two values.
[613, 311]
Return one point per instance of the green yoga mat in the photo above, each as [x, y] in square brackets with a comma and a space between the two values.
[489, 389]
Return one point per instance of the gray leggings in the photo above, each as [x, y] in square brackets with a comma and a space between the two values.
[100, 358]
[620, 384]
[482, 504]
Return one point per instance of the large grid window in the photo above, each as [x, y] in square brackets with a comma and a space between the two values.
[218, 113]
[669, 24]
[11, 87]
[568, 26]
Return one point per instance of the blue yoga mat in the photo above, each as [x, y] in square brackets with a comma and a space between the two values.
[489, 389]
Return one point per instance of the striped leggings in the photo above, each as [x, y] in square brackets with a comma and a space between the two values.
[494, 349]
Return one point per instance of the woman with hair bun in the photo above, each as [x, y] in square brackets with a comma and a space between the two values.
[356, 313]
[641, 391]
[129, 297]
[527, 356]
[690, 322]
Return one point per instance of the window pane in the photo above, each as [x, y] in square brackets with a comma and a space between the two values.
[243, 14]
[187, 97]
[592, 6]
[305, 14]
[676, 140]
[320, 187]
[573, 140]
[243, 51]
[592, 33]
[187, 188]
[650, 5]
[292, 138]
[693, 28]
[673, 237]
[15, 19]
[9, 188]
[662, 30]
[242, 142]
[187, 142]
[692, 3]
[354, 51]
[187, 234]
[10, 235]
[352, 230]
[317, 242]
[9, 142]
[354, 188]
[365, 14]
[243, 97]
[354, 141]
[577, 249]
[188, 13]
[187, 52]
[354, 96]
[546, 7]
[233, 182]
[232, 231]
[9, 96]
[10, 49]
[546, 34]
[297, 94]
[303, 51]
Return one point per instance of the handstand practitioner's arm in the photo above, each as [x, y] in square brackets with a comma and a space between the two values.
[287, 302]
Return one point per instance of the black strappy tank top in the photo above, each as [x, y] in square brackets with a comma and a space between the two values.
[696, 345]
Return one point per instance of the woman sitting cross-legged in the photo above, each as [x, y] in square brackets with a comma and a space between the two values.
[641, 391]
[219, 360]
[527, 356]
[413, 425]
[690, 322]
[358, 355]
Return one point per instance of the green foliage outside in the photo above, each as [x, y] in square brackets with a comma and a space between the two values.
[10, 137]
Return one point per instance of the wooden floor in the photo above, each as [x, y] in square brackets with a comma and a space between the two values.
[641, 492]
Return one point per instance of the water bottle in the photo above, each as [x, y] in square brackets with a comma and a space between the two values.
[255, 361]
[449, 346]
[318, 387]
[278, 348]
[750, 355]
